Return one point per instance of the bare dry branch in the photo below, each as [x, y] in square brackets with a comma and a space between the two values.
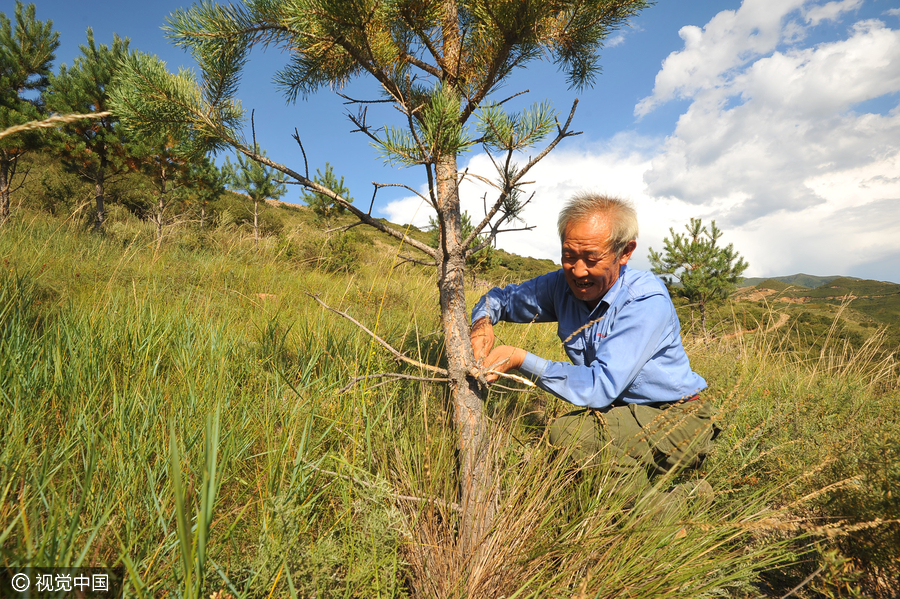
[53, 121]
[344, 227]
[516, 95]
[392, 376]
[417, 261]
[355, 101]
[492, 236]
[416, 62]
[513, 377]
[511, 183]
[296, 136]
[396, 353]
[407, 187]
[447, 504]
[312, 185]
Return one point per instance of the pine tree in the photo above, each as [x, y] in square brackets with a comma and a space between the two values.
[163, 161]
[438, 62]
[95, 149]
[256, 180]
[206, 182]
[706, 271]
[26, 55]
[323, 206]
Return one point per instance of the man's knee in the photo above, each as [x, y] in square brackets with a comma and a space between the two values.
[576, 432]
[680, 434]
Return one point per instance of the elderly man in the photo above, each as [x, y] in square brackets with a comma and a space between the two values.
[629, 372]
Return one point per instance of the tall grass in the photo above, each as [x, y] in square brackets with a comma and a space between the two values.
[176, 411]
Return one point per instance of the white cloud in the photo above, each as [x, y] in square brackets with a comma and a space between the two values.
[830, 11]
[794, 121]
[728, 41]
[616, 40]
[776, 144]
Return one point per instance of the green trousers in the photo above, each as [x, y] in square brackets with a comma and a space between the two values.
[638, 439]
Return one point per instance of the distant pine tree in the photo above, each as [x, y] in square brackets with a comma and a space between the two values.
[323, 206]
[207, 183]
[94, 149]
[707, 271]
[162, 159]
[257, 181]
[26, 55]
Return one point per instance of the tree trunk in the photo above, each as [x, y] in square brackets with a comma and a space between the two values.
[476, 471]
[478, 489]
[99, 181]
[256, 223]
[4, 191]
[703, 317]
[202, 215]
[160, 215]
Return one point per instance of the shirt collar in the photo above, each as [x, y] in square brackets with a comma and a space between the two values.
[610, 296]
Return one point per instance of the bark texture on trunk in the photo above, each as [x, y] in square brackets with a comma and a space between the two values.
[256, 222]
[703, 317]
[160, 215]
[476, 470]
[99, 182]
[4, 191]
[478, 493]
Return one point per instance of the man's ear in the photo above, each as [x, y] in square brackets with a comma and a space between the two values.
[626, 254]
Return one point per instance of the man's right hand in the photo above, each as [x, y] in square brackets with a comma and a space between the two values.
[482, 337]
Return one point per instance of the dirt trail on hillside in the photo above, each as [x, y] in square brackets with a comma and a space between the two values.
[782, 320]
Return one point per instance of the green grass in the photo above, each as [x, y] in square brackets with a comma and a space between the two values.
[176, 410]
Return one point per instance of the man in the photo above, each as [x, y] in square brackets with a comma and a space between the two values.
[629, 371]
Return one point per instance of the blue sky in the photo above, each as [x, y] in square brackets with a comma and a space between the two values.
[780, 119]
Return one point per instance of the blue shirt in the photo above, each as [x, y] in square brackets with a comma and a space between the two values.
[628, 347]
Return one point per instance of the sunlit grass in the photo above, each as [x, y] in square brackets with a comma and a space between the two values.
[177, 411]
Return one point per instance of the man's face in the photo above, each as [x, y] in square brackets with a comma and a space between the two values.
[591, 268]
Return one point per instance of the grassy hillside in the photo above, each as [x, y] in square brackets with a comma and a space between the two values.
[138, 376]
[845, 308]
[777, 285]
[799, 280]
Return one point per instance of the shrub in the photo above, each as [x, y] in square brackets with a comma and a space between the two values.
[335, 253]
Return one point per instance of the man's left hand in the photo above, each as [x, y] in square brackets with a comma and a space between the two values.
[503, 359]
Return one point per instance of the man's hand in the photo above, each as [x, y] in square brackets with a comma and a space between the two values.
[482, 337]
[503, 359]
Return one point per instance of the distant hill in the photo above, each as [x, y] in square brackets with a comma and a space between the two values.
[803, 280]
[779, 285]
[871, 301]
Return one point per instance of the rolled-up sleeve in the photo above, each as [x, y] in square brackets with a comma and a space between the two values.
[531, 301]
[635, 333]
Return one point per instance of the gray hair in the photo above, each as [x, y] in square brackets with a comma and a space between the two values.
[622, 217]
